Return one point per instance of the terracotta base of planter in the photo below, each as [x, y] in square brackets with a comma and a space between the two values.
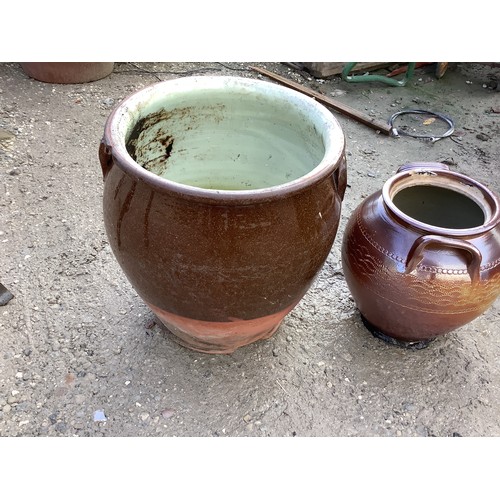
[218, 337]
[67, 72]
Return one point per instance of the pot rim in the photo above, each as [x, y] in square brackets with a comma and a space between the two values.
[127, 113]
[462, 184]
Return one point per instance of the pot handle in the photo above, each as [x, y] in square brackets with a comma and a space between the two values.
[430, 165]
[340, 177]
[105, 158]
[415, 255]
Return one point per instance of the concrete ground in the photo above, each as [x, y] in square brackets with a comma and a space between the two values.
[81, 355]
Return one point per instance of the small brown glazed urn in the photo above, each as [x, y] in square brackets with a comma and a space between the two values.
[67, 72]
[222, 199]
[421, 257]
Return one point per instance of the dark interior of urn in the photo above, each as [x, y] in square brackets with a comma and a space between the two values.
[439, 207]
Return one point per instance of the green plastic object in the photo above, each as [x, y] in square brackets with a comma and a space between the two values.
[377, 78]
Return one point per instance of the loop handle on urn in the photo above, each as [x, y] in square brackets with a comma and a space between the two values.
[340, 177]
[416, 253]
[105, 158]
[431, 165]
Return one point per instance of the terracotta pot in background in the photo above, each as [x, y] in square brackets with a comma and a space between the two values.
[421, 257]
[67, 72]
[222, 199]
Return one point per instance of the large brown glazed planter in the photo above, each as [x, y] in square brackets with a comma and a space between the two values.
[222, 199]
[422, 256]
[67, 72]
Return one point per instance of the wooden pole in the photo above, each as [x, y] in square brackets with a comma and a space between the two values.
[383, 127]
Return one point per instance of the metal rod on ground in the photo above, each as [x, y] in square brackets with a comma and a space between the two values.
[337, 106]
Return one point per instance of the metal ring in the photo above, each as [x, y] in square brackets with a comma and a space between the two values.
[432, 138]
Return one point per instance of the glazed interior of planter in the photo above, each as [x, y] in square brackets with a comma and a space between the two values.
[439, 206]
[226, 137]
[441, 202]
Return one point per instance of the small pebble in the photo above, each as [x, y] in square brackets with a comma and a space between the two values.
[483, 137]
[99, 416]
[5, 135]
[167, 413]
[60, 427]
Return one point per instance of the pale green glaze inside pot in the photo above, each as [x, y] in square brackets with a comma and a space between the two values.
[441, 202]
[439, 206]
[228, 133]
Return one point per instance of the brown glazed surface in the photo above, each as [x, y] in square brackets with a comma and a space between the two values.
[67, 72]
[412, 297]
[208, 262]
